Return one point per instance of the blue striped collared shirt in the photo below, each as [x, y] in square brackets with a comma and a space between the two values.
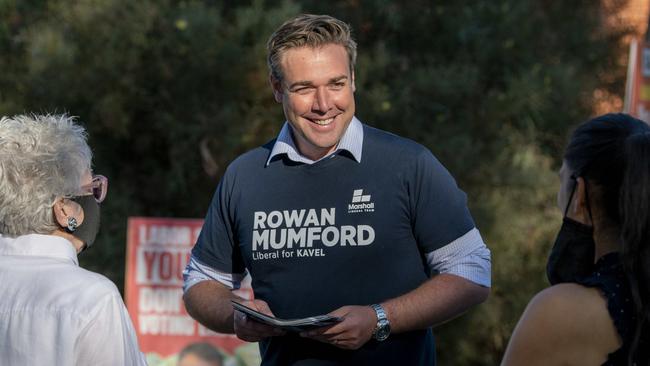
[352, 141]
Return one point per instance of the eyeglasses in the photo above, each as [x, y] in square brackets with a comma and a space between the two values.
[98, 187]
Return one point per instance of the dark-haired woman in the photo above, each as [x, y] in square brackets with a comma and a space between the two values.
[596, 312]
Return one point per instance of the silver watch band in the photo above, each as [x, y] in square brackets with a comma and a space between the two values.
[382, 330]
[379, 310]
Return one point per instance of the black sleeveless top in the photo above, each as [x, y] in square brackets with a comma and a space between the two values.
[609, 278]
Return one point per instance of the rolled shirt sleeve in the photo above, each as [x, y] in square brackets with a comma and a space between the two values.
[196, 272]
[467, 257]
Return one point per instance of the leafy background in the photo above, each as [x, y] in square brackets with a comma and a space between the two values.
[171, 91]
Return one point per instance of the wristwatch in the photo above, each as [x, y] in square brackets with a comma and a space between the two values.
[382, 330]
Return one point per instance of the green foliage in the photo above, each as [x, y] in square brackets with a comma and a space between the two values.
[171, 91]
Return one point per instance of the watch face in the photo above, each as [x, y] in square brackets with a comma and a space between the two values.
[383, 330]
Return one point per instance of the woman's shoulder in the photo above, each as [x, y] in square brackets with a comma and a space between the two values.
[578, 313]
[568, 323]
[571, 297]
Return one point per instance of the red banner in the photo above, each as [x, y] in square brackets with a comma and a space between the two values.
[158, 250]
[637, 92]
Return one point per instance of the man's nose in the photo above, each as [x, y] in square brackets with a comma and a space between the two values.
[322, 100]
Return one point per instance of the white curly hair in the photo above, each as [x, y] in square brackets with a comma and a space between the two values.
[42, 158]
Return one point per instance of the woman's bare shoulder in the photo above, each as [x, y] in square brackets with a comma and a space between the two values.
[566, 323]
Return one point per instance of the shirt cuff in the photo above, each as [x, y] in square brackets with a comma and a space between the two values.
[467, 257]
[196, 272]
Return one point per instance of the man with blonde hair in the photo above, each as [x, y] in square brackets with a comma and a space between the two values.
[334, 216]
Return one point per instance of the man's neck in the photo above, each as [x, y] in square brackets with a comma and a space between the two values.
[311, 152]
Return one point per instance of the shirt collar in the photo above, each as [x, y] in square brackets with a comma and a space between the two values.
[351, 141]
[38, 245]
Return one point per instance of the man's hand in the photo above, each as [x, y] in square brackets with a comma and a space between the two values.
[251, 330]
[351, 333]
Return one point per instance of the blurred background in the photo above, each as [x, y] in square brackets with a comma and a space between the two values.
[172, 91]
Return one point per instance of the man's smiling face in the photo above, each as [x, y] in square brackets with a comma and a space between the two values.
[317, 95]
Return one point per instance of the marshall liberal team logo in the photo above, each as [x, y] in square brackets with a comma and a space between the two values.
[360, 202]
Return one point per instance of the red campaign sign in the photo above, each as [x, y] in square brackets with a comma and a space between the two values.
[158, 249]
[637, 93]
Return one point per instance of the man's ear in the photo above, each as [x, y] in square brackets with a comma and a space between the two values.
[580, 205]
[276, 85]
[354, 87]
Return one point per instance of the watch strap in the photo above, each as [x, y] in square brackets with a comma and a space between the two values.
[382, 329]
[379, 310]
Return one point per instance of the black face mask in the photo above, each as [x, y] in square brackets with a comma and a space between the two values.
[573, 253]
[87, 231]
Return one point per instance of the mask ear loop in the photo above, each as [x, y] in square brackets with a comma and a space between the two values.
[588, 205]
[575, 185]
[573, 190]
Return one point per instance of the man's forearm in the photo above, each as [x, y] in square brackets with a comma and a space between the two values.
[436, 301]
[209, 303]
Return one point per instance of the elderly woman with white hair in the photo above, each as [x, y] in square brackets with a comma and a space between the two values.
[52, 312]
